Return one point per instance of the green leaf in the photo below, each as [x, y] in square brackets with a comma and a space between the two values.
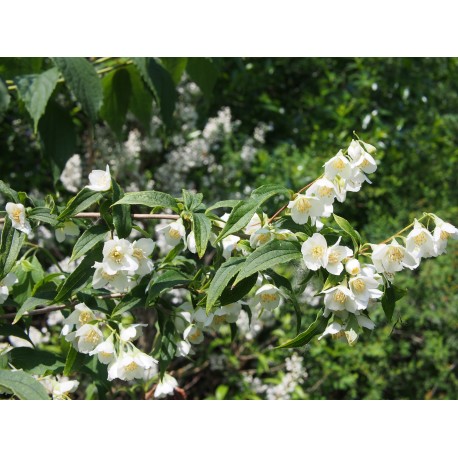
[168, 279]
[11, 67]
[35, 91]
[135, 298]
[141, 100]
[392, 294]
[316, 328]
[346, 227]
[70, 360]
[57, 133]
[243, 212]
[10, 194]
[121, 213]
[116, 98]
[269, 255]
[43, 215]
[4, 98]
[36, 362]
[11, 330]
[223, 204]
[191, 200]
[221, 392]
[88, 240]
[23, 385]
[44, 298]
[161, 84]
[10, 245]
[175, 66]
[202, 227]
[279, 280]
[203, 72]
[234, 294]
[149, 199]
[84, 199]
[82, 79]
[222, 277]
[79, 277]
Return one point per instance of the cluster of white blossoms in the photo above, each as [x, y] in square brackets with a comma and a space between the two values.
[59, 387]
[124, 263]
[342, 173]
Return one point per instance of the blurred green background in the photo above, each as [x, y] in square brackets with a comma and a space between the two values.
[244, 122]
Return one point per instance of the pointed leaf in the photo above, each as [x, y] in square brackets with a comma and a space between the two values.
[141, 100]
[83, 200]
[121, 213]
[346, 227]
[4, 98]
[10, 245]
[166, 280]
[392, 294]
[175, 66]
[23, 385]
[202, 227]
[203, 72]
[149, 199]
[88, 240]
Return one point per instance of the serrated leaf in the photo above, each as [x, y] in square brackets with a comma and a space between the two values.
[160, 82]
[10, 194]
[191, 200]
[203, 72]
[231, 295]
[116, 98]
[58, 135]
[149, 199]
[346, 227]
[4, 98]
[88, 240]
[10, 246]
[43, 215]
[166, 280]
[135, 298]
[223, 204]
[35, 91]
[391, 295]
[79, 277]
[83, 200]
[70, 360]
[243, 212]
[175, 66]
[269, 255]
[23, 385]
[44, 298]
[82, 79]
[122, 220]
[222, 277]
[316, 328]
[202, 227]
[141, 100]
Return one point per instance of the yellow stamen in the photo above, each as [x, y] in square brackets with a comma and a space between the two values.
[340, 297]
[85, 317]
[324, 191]
[131, 367]
[444, 235]
[420, 239]
[339, 164]
[138, 253]
[317, 252]
[395, 254]
[358, 285]
[303, 205]
[333, 257]
[16, 213]
[116, 255]
[268, 297]
[174, 233]
[92, 337]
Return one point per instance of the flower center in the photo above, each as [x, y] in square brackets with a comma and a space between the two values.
[324, 191]
[16, 214]
[131, 367]
[333, 257]
[365, 163]
[196, 334]
[303, 205]
[395, 254]
[219, 319]
[317, 252]
[138, 253]
[339, 164]
[85, 317]
[116, 255]
[106, 276]
[263, 238]
[92, 337]
[268, 297]
[444, 235]
[174, 233]
[340, 297]
[359, 285]
[105, 354]
[420, 239]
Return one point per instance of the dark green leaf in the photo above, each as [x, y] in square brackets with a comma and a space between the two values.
[202, 227]
[82, 79]
[83, 200]
[88, 240]
[4, 98]
[116, 98]
[160, 82]
[44, 298]
[392, 294]
[203, 72]
[70, 360]
[10, 245]
[222, 277]
[10, 194]
[141, 100]
[191, 200]
[231, 295]
[80, 276]
[44, 215]
[35, 90]
[223, 204]
[148, 198]
[346, 227]
[11, 330]
[121, 213]
[36, 362]
[137, 297]
[175, 66]
[11, 67]
[269, 255]
[316, 328]
[23, 385]
[168, 279]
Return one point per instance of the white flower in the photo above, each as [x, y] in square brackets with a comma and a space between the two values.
[333, 329]
[364, 321]
[165, 387]
[105, 351]
[232, 311]
[364, 288]
[305, 207]
[191, 242]
[8, 281]
[193, 334]
[254, 224]
[79, 317]
[353, 267]
[16, 213]
[183, 316]
[362, 159]
[202, 318]
[100, 180]
[130, 365]
[336, 254]
[118, 255]
[132, 332]
[338, 165]
[323, 189]
[315, 252]
[284, 234]
[392, 258]
[442, 232]
[59, 388]
[260, 237]
[88, 337]
[68, 228]
[340, 298]
[229, 244]
[142, 249]
[269, 296]
[102, 278]
[173, 232]
[420, 242]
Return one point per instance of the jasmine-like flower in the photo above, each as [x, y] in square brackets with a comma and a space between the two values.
[142, 249]
[315, 252]
[16, 213]
[304, 207]
[100, 180]
[268, 296]
[118, 254]
[165, 387]
[392, 258]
